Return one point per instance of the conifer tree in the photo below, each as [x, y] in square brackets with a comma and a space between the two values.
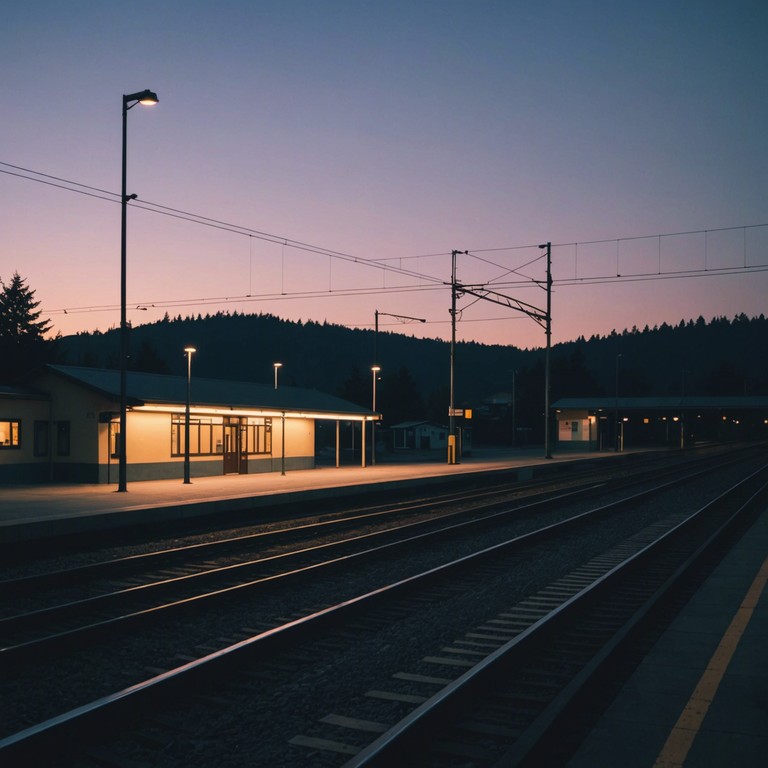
[18, 311]
[22, 333]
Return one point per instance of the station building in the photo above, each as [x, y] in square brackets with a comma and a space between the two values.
[65, 426]
[619, 423]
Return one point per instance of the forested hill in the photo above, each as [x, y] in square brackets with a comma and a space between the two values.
[720, 357]
[314, 355]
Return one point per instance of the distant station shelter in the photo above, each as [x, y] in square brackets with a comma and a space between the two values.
[419, 435]
[65, 426]
[610, 424]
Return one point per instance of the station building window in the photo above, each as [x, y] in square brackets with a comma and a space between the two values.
[206, 435]
[259, 436]
[10, 433]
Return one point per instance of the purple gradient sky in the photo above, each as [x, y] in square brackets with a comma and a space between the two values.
[393, 132]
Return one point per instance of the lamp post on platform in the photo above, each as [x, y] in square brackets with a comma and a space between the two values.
[147, 98]
[189, 351]
[374, 370]
[619, 441]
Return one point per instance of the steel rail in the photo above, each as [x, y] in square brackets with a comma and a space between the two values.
[647, 465]
[397, 746]
[108, 568]
[15, 653]
[113, 568]
[12, 654]
[36, 739]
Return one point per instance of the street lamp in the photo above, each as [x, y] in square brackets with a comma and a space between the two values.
[514, 405]
[130, 100]
[374, 370]
[619, 441]
[376, 329]
[276, 366]
[189, 351]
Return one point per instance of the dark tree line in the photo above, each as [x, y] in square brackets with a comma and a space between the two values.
[720, 357]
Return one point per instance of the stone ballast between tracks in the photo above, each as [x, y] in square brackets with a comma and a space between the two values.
[295, 701]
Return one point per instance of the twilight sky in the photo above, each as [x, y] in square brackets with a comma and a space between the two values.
[380, 136]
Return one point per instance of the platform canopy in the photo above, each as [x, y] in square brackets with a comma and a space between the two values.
[152, 391]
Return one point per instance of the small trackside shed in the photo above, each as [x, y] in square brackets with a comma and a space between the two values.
[419, 435]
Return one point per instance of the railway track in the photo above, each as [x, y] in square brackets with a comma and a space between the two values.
[75, 605]
[517, 706]
[329, 627]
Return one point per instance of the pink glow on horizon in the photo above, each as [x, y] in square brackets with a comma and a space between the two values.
[394, 134]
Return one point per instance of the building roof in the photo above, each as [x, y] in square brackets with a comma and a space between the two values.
[414, 424]
[662, 403]
[158, 389]
[8, 392]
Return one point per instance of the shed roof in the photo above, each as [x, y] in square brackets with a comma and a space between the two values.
[663, 403]
[415, 424]
[153, 388]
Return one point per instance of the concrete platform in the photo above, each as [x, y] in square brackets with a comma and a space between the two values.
[700, 697]
[36, 511]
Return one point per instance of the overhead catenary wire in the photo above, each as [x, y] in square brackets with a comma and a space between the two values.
[165, 210]
[433, 282]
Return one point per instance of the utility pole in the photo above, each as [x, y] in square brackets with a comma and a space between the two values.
[452, 448]
[544, 319]
[548, 330]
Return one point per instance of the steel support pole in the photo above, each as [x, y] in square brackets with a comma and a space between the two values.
[547, 438]
[122, 484]
[451, 408]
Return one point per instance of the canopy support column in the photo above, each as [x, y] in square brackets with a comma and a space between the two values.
[338, 443]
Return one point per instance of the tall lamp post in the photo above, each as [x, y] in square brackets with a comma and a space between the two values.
[619, 446]
[374, 370]
[276, 366]
[189, 351]
[130, 100]
[514, 406]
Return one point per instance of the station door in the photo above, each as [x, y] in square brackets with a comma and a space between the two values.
[235, 446]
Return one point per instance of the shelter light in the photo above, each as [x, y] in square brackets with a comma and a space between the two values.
[256, 412]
